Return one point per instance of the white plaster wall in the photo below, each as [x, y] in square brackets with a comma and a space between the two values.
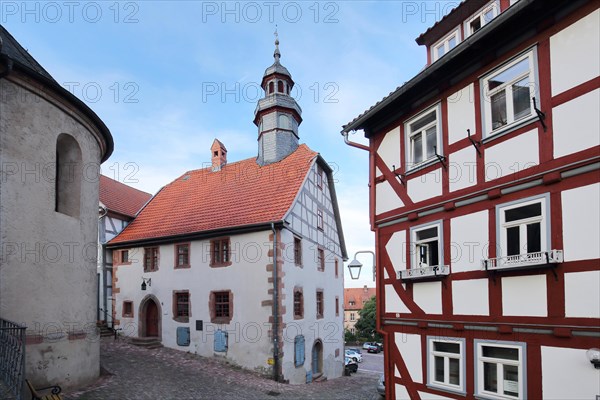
[462, 168]
[524, 296]
[576, 303]
[386, 198]
[393, 303]
[246, 278]
[425, 186]
[470, 297]
[569, 47]
[401, 393]
[409, 346]
[328, 329]
[461, 114]
[428, 296]
[431, 396]
[576, 124]
[567, 374]
[512, 156]
[389, 150]
[469, 241]
[378, 172]
[48, 277]
[396, 250]
[581, 222]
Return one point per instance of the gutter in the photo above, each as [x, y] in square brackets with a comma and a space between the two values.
[9, 64]
[193, 235]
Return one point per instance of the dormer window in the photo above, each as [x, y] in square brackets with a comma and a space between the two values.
[481, 18]
[446, 44]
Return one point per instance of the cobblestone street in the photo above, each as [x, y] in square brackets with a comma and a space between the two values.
[137, 373]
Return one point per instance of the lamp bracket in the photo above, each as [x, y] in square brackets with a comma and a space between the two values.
[441, 159]
[475, 143]
[401, 177]
[540, 114]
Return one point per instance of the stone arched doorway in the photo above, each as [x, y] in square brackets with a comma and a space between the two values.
[317, 358]
[150, 322]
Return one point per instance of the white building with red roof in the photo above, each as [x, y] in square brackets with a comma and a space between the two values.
[119, 204]
[242, 260]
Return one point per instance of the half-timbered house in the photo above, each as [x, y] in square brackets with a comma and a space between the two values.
[485, 199]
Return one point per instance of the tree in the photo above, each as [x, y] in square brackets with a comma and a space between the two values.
[349, 337]
[365, 326]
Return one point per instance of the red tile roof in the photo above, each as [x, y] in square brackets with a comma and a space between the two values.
[359, 296]
[241, 193]
[120, 198]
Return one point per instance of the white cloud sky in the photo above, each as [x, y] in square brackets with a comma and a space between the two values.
[154, 62]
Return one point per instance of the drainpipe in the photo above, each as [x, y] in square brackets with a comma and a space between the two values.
[353, 144]
[275, 309]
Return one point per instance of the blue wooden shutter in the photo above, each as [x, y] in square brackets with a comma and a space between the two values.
[220, 340]
[299, 350]
[183, 336]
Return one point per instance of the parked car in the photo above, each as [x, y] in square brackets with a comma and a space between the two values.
[380, 345]
[381, 385]
[371, 347]
[350, 365]
[354, 349]
[353, 355]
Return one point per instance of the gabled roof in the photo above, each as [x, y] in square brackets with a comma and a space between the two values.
[359, 296]
[241, 194]
[493, 39]
[120, 198]
[14, 57]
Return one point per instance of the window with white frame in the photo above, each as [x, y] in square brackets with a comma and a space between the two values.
[446, 364]
[507, 93]
[446, 44]
[523, 228]
[423, 134]
[481, 18]
[427, 249]
[500, 370]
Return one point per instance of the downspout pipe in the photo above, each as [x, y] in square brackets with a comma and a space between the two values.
[275, 309]
[353, 144]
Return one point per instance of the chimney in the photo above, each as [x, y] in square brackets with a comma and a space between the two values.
[366, 289]
[219, 155]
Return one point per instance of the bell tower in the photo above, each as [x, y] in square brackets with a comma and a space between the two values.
[277, 114]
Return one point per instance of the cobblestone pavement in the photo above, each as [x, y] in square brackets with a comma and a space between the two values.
[137, 373]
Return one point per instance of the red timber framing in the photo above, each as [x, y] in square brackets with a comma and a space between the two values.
[551, 177]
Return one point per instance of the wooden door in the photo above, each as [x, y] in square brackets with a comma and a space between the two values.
[152, 319]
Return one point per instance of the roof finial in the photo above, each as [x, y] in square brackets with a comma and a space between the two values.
[277, 54]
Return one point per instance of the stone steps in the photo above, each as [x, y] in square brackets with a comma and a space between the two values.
[147, 342]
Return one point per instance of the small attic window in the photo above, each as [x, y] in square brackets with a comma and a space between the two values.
[216, 153]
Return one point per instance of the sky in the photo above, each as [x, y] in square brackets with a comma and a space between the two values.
[168, 77]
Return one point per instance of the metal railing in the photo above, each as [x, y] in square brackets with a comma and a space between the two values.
[424, 272]
[12, 356]
[523, 260]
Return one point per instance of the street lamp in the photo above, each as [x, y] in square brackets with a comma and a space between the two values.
[145, 281]
[355, 266]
